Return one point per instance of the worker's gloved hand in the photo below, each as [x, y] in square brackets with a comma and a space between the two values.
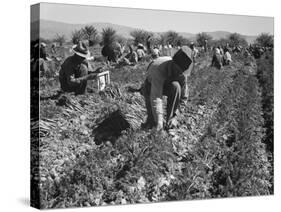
[172, 123]
[146, 126]
[91, 76]
[149, 124]
[159, 113]
[76, 80]
[159, 126]
[99, 70]
[183, 100]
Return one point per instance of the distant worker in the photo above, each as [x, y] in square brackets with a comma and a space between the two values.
[227, 46]
[237, 49]
[247, 53]
[205, 44]
[39, 58]
[257, 51]
[140, 52]
[194, 51]
[43, 53]
[148, 44]
[155, 53]
[217, 58]
[131, 58]
[170, 50]
[166, 76]
[221, 50]
[112, 52]
[74, 71]
[53, 48]
[227, 57]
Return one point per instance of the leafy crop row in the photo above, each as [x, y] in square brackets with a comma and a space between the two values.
[218, 150]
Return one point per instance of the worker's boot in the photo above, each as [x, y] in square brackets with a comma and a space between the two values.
[172, 124]
[148, 125]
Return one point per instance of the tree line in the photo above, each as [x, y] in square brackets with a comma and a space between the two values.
[109, 35]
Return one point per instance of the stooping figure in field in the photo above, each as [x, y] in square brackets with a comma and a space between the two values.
[226, 57]
[39, 58]
[43, 52]
[194, 51]
[217, 58]
[74, 71]
[53, 48]
[221, 50]
[131, 57]
[237, 49]
[148, 44]
[205, 45]
[257, 51]
[166, 76]
[112, 52]
[140, 51]
[155, 53]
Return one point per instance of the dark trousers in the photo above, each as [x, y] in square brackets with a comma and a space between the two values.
[173, 90]
[69, 86]
[217, 61]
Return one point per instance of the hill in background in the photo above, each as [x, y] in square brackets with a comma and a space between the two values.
[49, 29]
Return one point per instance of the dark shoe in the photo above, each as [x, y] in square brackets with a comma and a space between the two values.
[147, 125]
[183, 100]
[172, 124]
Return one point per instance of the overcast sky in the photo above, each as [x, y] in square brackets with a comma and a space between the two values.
[157, 20]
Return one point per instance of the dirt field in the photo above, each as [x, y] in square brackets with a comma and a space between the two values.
[93, 152]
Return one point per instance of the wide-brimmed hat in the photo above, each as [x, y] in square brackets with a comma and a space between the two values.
[217, 51]
[183, 57]
[187, 51]
[155, 52]
[81, 50]
[140, 45]
[43, 44]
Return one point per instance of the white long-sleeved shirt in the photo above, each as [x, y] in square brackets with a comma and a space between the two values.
[160, 70]
[227, 56]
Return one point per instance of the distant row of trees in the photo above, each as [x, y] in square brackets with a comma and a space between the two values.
[235, 39]
[265, 40]
[90, 33]
[109, 35]
[169, 37]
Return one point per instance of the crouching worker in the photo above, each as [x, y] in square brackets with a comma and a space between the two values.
[166, 76]
[74, 71]
[131, 58]
[226, 57]
[217, 58]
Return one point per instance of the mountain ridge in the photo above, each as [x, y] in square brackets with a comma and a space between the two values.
[49, 29]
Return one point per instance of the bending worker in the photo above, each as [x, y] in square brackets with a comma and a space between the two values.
[74, 71]
[166, 76]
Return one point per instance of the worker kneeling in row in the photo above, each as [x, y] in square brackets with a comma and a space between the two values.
[166, 76]
[75, 70]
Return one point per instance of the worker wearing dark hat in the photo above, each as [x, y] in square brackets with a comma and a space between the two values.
[73, 75]
[166, 76]
[217, 58]
[140, 51]
[194, 51]
[38, 61]
[112, 52]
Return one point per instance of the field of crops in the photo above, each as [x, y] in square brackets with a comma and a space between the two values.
[93, 152]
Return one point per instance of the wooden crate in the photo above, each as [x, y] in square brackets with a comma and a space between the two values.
[103, 79]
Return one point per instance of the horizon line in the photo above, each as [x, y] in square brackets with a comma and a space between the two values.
[88, 23]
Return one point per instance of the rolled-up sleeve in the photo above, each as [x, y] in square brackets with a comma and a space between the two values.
[82, 75]
[156, 94]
